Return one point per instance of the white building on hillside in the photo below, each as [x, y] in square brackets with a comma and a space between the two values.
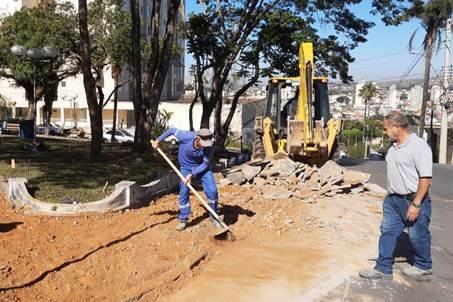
[358, 100]
[416, 97]
[393, 97]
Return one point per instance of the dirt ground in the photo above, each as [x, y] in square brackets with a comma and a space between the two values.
[289, 250]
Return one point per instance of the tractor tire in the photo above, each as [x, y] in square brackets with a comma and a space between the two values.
[258, 148]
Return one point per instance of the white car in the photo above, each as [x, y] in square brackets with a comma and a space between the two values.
[171, 139]
[121, 136]
[54, 129]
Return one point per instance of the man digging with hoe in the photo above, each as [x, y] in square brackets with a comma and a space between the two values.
[194, 156]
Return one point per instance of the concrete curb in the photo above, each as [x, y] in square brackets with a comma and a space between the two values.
[127, 194]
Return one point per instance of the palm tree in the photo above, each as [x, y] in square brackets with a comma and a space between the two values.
[367, 92]
[432, 15]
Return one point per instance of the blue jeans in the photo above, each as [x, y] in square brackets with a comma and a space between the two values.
[394, 222]
[209, 188]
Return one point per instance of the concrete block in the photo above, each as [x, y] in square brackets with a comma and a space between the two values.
[355, 177]
[375, 190]
[237, 178]
[250, 171]
[330, 169]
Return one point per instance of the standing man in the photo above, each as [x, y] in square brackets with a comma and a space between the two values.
[407, 205]
[194, 155]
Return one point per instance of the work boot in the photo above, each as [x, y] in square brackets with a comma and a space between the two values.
[416, 272]
[214, 221]
[373, 274]
[181, 225]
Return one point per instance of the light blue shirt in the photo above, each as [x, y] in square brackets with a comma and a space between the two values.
[406, 164]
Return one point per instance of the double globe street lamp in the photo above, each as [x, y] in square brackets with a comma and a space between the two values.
[35, 55]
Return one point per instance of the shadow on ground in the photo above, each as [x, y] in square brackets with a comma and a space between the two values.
[6, 227]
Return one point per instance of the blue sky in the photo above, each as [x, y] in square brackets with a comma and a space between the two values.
[385, 56]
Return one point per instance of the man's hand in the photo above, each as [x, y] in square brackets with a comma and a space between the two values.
[155, 144]
[188, 179]
[412, 213]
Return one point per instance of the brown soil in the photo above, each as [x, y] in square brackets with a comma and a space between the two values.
[285, 249]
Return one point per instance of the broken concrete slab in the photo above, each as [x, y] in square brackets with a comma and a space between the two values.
[357, 190]
[330, 169]
[236, 178]
[356, 177]
[314, 178]
[375, 190]
[250, 171]
[276, 193]
[282, 167]
[260, 182]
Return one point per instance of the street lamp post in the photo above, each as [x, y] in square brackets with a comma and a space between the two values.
[35, 55]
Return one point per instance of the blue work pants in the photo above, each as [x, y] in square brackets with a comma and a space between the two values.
[209, 188]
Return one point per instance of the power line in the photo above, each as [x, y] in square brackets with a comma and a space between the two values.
[379, 57]
[410, 68]
[396, 77]
[378, 64]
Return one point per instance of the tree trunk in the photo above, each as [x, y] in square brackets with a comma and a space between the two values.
[208, 108]
[192, 104]
[426, 94]
[89, 83]
[116, 76]
[222, 135]
[365, 130]
[139, 142]
[50, 95]
[157, 66]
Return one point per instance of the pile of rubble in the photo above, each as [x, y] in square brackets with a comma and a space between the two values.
[284, 178]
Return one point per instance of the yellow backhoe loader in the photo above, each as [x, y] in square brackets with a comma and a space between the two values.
[299, 127]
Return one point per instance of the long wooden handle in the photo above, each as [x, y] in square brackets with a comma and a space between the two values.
[189, 185]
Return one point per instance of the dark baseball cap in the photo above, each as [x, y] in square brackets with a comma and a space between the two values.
[205, 136]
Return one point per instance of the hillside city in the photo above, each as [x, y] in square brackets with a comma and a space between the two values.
[228, 150]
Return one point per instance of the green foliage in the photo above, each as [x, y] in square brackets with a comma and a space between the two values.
[48, 24]
[353, 124]
[221, 34]
[5, 109]
[368, 91]
[375, 127]
[352, 135]
[161, 123]
[355, 151]
[353, 130]
[110, 27]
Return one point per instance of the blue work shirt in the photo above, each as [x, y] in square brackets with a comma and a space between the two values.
[189, 157]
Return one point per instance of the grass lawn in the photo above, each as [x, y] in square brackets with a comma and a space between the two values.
[63, 172]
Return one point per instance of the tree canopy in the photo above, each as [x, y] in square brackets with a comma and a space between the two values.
[259, 38]
[47, 24]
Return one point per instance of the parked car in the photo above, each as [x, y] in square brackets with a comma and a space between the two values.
[54, 129]
[171, 139]
[121, 136]
[375, 156]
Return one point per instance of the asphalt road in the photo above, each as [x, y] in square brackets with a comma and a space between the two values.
[439, 287]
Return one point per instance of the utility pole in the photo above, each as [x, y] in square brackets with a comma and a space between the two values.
[447, 74]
